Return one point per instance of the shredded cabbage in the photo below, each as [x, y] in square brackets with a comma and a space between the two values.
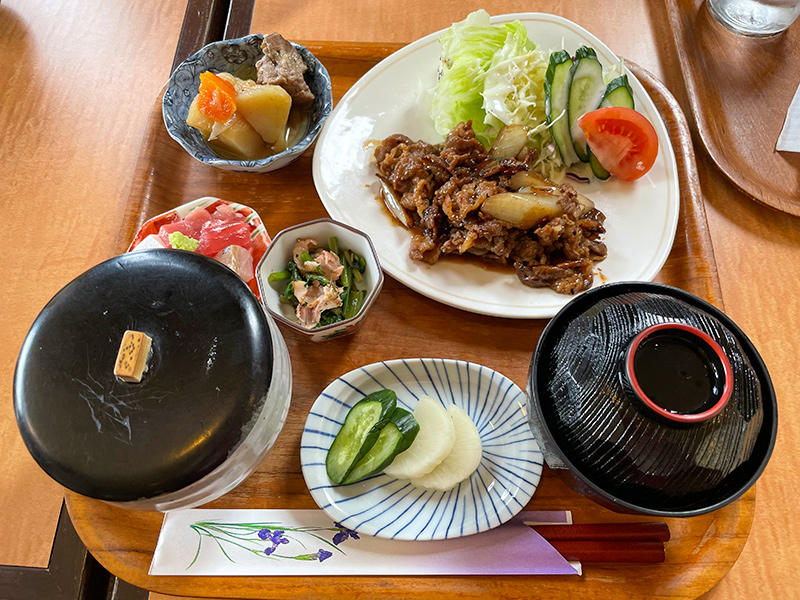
[493, 75]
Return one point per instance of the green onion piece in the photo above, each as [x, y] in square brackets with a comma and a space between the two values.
[279, 276]
[354, 303]
[344, 278]
[333, 245]
[305, 256]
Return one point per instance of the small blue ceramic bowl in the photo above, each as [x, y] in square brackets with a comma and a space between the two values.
[235, 57]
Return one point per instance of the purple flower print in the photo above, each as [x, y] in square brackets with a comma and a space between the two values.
[343, 534]
[267, 541]
[274, 537]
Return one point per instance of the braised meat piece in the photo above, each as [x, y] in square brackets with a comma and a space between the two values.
[443, 187]
[282, 65]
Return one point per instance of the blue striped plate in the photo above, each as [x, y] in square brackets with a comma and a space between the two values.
[390, 508]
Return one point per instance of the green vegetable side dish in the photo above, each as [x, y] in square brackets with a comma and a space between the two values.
[361, 429]
[322, 285]
[375, 431]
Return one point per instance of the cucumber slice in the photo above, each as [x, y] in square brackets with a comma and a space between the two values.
[396, 436]
[557, 82]
[360, 431]
[618, 93]
[586, 91]
[598, 170]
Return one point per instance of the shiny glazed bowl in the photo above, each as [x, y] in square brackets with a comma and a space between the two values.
[235, 56]
[207, 410]
[610, 442]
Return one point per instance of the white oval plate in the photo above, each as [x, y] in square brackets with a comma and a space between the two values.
[509, 472]
[642, 216]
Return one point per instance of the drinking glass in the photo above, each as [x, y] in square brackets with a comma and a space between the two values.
[755, 18]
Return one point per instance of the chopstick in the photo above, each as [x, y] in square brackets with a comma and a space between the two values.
[608, 542]
[603, 551]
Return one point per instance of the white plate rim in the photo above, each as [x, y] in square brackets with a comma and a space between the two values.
[343, 392]
[545, 302]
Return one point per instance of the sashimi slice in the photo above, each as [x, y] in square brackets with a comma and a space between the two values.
[196, 219]
[182, 226]
[238, 259]
[225, 212]
[434, 442]
[218, 235]
[463, 459]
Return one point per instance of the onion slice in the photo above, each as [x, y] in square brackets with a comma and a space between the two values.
[392, 202]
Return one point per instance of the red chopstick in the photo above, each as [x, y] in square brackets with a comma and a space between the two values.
[605, 531]
[603, 551]
[608, 542]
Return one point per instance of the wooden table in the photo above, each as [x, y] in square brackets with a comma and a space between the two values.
[83, 81]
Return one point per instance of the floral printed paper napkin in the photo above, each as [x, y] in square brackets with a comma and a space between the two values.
[307, 542]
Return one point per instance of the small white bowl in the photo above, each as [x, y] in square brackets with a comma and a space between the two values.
[279, 254]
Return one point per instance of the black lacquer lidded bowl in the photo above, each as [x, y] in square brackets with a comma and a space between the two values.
[651, 400]
[207, 409]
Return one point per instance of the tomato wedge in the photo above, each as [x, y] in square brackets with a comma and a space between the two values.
[623, 140]
[217, 97]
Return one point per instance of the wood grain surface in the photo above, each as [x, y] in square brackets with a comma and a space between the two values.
[740, 89]
[70, 154]
[702, 548]
[67, 155]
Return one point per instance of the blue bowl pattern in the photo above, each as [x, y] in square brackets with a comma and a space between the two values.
[384, 507]
[229, 56]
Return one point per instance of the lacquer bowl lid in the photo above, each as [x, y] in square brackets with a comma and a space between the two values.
[615, 447]
[206, 384]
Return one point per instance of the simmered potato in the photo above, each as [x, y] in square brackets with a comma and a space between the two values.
[266, 107]
[235, 136]
[198, 120]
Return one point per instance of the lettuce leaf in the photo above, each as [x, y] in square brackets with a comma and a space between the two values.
[467, 51]
[493, 75]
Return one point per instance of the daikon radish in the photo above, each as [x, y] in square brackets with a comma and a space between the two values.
[434, 442]
[463, 459]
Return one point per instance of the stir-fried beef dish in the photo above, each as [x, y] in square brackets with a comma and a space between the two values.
[443, 187]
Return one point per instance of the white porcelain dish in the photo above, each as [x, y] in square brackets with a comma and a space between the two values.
[641, 216]
[510, 468]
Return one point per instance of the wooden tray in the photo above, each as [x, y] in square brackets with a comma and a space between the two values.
[740, 89]
[404, 324]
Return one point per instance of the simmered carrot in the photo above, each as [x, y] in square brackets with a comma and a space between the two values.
[217, 98]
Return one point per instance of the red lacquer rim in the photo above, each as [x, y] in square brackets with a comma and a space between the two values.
[727, 389]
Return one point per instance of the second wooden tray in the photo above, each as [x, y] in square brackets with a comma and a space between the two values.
[740, 89]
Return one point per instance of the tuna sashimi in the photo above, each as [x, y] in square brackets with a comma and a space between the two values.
[218, 235]
[190, 226]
